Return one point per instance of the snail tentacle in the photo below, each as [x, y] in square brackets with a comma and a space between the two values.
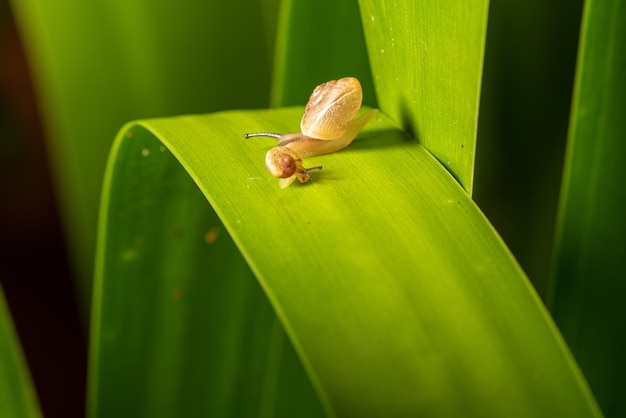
[270, 134]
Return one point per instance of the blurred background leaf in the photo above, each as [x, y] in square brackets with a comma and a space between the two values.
[99, 65]
[17, 394]
[34, 266]
[590, 265]
[524, 109]
[319, 41]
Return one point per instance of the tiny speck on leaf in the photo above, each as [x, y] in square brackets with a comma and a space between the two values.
[211, 235]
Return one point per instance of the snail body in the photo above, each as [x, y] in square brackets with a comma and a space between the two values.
[327, 125]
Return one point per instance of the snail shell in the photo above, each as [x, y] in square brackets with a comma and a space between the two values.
[331, 108]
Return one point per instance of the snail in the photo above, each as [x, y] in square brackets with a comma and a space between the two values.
[327, 125]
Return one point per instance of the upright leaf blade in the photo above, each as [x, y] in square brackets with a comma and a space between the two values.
[526, 98]
[319, 40]
[426, 62]
[589, 286]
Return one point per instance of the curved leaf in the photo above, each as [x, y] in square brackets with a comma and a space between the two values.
[397, 294]
[180, 326]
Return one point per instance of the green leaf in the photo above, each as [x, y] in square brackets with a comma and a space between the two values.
[177, 312]
[17, 394]
[320, 40]
[426, 62]
[98, 66]
[587, 296]
[395, 291]
[522, 131]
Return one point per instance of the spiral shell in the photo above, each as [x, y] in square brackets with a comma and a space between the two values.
[331, 108]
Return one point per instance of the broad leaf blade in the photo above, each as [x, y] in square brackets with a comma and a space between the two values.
[17, 394]
[426, 62]
[396, 292]
[180, 326]
[589, 287]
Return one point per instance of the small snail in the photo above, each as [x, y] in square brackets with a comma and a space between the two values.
[327, 126]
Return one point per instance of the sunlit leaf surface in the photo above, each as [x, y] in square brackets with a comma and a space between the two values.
[396, 293]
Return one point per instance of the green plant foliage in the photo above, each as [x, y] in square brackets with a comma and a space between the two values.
[589, 285]
[398, 295]
[522, 130]
[377, 289]
[177, 310]
[320, 40]
[99, 65]
[17, 395]
[426, 62]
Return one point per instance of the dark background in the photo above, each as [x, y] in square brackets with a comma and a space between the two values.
[34, 269]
